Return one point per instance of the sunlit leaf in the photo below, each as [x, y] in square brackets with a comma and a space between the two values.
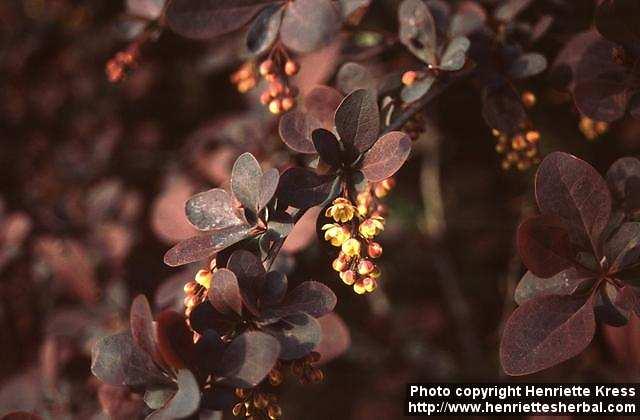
[224, 293]
[268, 187]
[417, 90]
[546, 331]
[158, 397]
[562, 284]
[246, 178]
[295, 129]
[205, 245]
[116, 360]
[249, 358]
[308, 25]
[212, 209]
[386, 157]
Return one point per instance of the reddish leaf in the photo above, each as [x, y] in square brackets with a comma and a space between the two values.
[327, 146]
[527, 65]
[573, 190]
[546, 331]
[358, 120]
[175, 340]
[268, 187]
[273, 288]
[116, 360]
[250, 273]
[386, 157]
[205, 245]
[601, 99]
[143, 329]
[321, 103]
[544, 246]
[201, 19]
[249, 358]
[21, 415]
[564, 283]
[295, 131]
[224, 293]
[622, 175]
[502, 107]
[623, 249]
[309, 24]
[214, 209]
[336, 338]
[353, 76]
[184, 403]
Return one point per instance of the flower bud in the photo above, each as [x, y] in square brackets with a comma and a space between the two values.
[266, 67]
[409, 78]
[374, 250]
[291, 68]
[339, 265]
[365, 267]
[203, 278]
[348, 277]
[288, 103]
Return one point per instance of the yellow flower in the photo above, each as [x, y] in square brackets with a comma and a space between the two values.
[348, 277]
[371, 227]
[335, 233]
[359, 288]
[351, 247]
[341, 210]
[203, 278]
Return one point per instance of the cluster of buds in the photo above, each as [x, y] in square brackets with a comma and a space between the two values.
[519, 151]
[305, 371]
[276, 69]
[355, 228]
[255, 404]
[196, 290]
[122, 63]
[592, 129]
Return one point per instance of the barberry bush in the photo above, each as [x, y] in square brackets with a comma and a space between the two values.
[272, 209]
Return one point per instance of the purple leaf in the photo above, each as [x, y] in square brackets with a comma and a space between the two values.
[308, 25]
[116, 360]
[175, 340]
[311, 297]
[143, 329]
[268, 187]
[353, 76]
[562, 284]
[327, 146]
[386, 157]
[358, 120]
[573, 190]
[212, 209]
[544, 245]
[621, 175]
[321, 103]
[201, 19]
[298, 335]
[502, 107]
[455, 55]
[224, 293]
[295, 129]
[601, 99]
[527, 65]
[184, 403]
[273, 289]
[623, 249]
[336, 338]
[303, 188]
[205, 245]
[250, 274]
[417, 90]
[546, 331]
[249, 358]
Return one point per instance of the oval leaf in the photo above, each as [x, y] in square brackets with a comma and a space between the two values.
[455, 55]
[184, 403]
[205, 246]
[249, 358]
[311, 297]
[264, 30]
[418, 30]
[308, 25]
[298, 335]
[546, 331]
[527, 65]
[564, 283]
[303, 188]
[358, 120]
[202, 19]
[571, 189]
[386, 157]
[295, 129]
[544, 246]
[212, 209]
[224, 293]
[142, 327]
[327, 146]
[246, 179]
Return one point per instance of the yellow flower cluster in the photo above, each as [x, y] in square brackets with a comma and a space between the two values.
[353, 232]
